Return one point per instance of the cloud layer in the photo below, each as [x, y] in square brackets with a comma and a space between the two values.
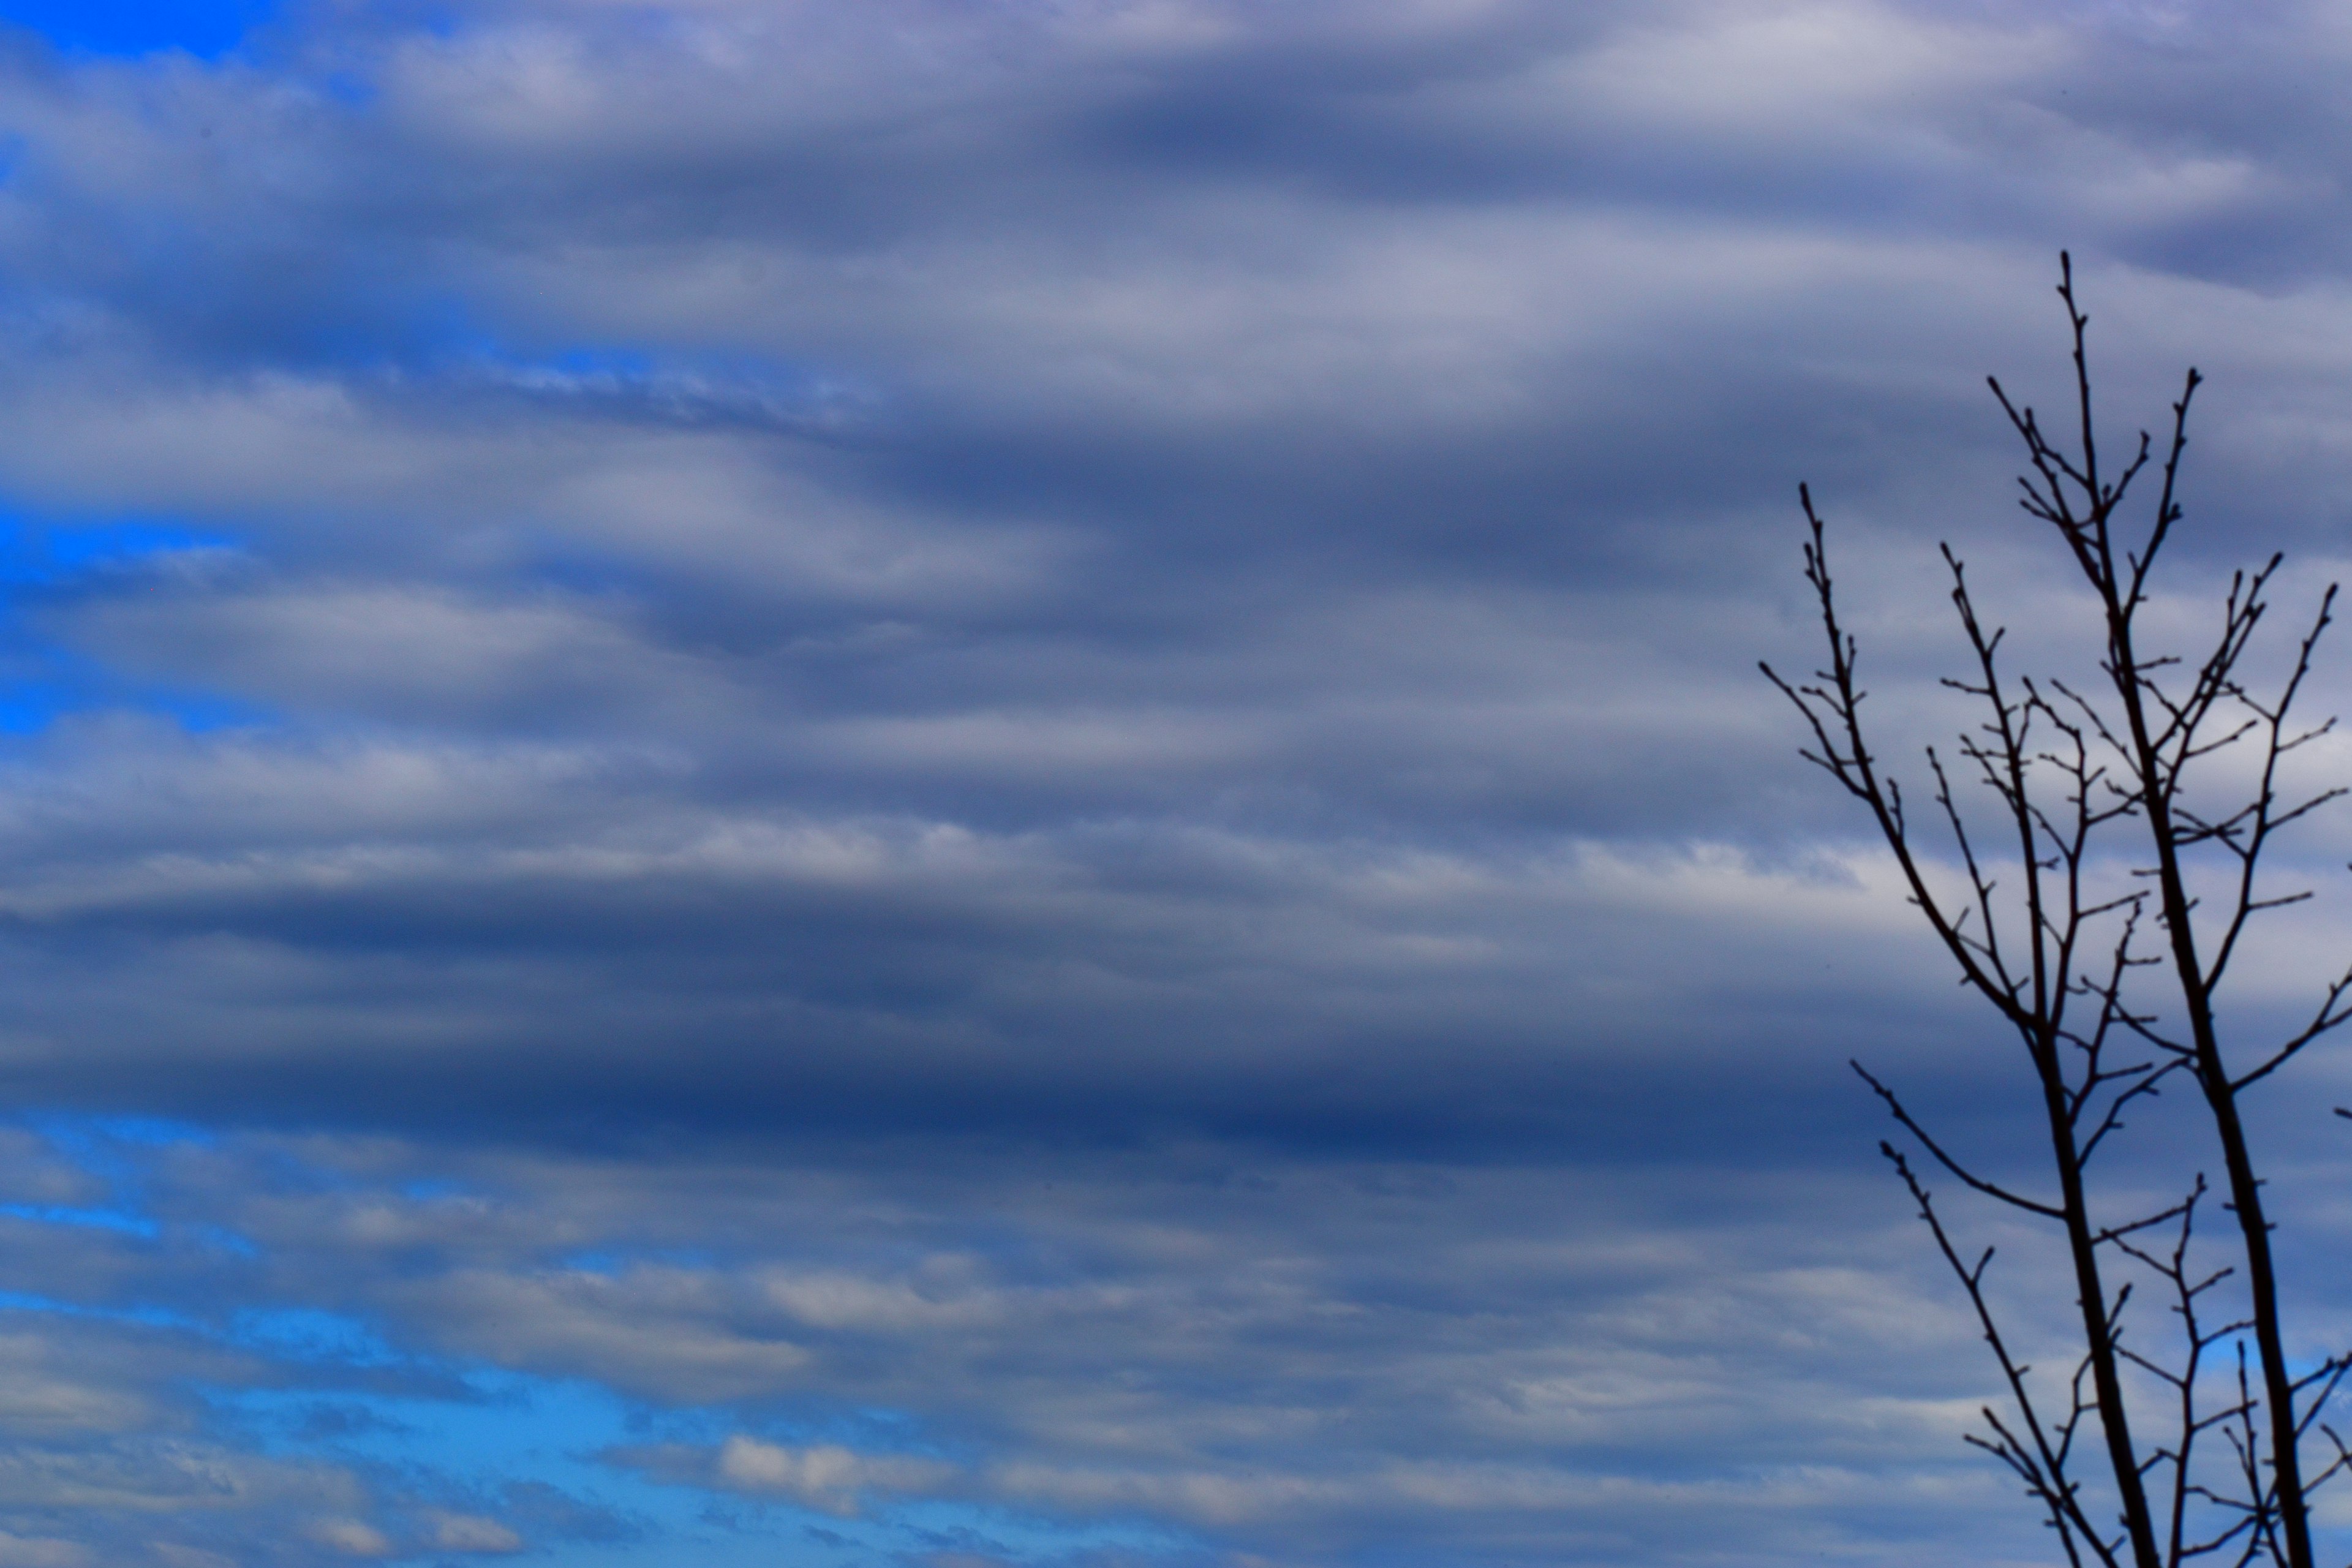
[970, 785]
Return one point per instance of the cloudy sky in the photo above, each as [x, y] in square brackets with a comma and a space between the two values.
[946, 783]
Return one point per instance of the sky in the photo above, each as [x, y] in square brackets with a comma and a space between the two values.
[979, 784]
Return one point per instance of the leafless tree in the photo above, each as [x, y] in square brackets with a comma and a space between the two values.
[2109, 982]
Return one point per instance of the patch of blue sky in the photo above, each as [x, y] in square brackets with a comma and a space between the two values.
[146, 1316]
[482, 1430]
[206, 29]
[426, 1191]
[298, 1336]
[611, 1262]
[525, 1430]
[115, 1150]
[30, 704]
[87, 1144]
[560, 1433]
[52, 551]
[80, 547]
[28, 708]
[120, 1220]
[308, 1335]
[50, 683]
[45, 683]
[139, 1131]
[470, 1431]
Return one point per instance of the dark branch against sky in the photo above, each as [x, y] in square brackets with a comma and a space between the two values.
[952, 785]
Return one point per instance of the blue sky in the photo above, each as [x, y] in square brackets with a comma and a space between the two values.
[206, 28]
[928, 785]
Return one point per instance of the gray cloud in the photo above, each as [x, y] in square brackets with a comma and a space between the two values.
[1007, 759]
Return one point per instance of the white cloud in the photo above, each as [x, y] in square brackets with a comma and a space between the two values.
[351, 1537]
[472, 1532]
[824, 1476]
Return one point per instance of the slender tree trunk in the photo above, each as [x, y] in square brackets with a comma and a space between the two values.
[2220, 1097]
[2098, 1333]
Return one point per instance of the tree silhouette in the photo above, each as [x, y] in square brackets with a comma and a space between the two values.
[2118, 798]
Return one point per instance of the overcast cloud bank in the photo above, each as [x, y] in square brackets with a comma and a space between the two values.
[957, 785]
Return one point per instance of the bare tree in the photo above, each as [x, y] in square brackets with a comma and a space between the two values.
[2077, 918]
